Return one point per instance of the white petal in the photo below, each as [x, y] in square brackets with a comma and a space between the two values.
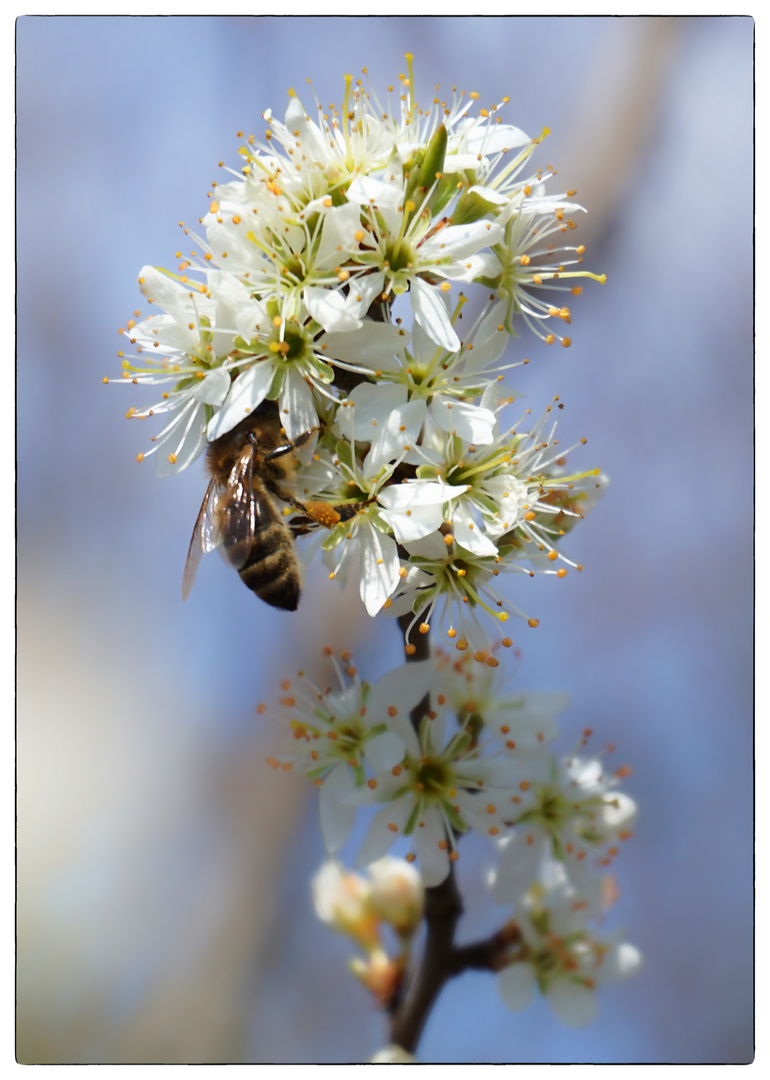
[416, 493]
[384, 751]
[619, 816]
[373, 346]
[471, 537]
[574, 1005]
[393, 1055]
[470, 422]
[388, 198]
[489, 343]
[369, 407]
[517, 986]
[246, 393]
[462, 241]
[405, 686]
[431, 314]
[497, 772]
[186, 441]
[415, 510]
[174, 298]
[473, 266]
[340, 225]
[336, 811]
[296, 406]
[434, 860]
[331, 309]
[473, 812]
[395, 437]
[402, 689]
[304, 131]
[487, 138]
[214, 388]
[381, 837]
[621, 963]
[519, 866]
[365, 289]
[379, 567]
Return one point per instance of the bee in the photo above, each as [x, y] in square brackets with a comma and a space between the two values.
[250, 469]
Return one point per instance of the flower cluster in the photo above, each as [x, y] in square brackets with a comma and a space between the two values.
[480, 759]
[316, 344]
[323, 279]
[559, 952]
[391, 894]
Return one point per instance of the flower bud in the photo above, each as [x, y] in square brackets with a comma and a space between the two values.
[397, 893]
[342, 900]
[393, 1055]
[379, 974]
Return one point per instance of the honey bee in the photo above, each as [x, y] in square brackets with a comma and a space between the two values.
[250, 469]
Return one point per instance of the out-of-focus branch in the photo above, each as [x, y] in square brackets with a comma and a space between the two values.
[614, 114]
[441, 960]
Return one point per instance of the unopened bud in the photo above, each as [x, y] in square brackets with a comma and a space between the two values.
[397, 894]
[379, 974]
[393, 1055]
[342, 900]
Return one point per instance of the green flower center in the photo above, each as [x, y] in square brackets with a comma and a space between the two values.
[400, 256]
[433, 777]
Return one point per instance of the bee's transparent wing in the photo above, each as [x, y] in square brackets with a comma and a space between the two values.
[240, 512]
[206, 535]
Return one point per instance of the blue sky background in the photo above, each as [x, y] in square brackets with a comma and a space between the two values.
[164, 909]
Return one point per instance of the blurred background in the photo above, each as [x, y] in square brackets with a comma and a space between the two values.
[164, 909]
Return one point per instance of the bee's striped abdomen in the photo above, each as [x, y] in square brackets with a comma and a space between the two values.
[271, 570]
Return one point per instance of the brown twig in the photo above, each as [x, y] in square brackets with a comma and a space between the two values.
[441, 959]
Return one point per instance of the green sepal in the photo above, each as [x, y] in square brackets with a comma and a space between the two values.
[359, 774]
[207, 336]
[433, 161]
[344, 451]
[373, 516]
[458, 744]
[472, 207]
[557, 848]
[484, 500]
[336, 536]
[323, 371]
[277, 384]
[453, 817]
[423, 597]
[250, 348]
[414, 817]
[488, 282]
[317, 773]
[541, 921]
[445, 191]
[413, 172]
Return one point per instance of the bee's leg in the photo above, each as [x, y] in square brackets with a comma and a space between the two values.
[299, 528]
[287, 447]
[284, 448]
[292, 501]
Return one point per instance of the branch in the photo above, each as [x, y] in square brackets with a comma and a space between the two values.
[441, 960]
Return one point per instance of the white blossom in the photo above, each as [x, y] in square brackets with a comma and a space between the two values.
[567, 810]
[561, 955]
[336, 734]
[444, 786]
